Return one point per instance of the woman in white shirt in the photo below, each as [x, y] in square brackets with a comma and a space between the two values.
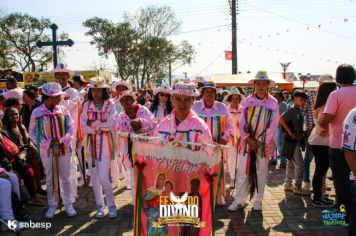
[319, 143]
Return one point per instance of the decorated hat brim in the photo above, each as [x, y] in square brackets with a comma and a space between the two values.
[252, 81]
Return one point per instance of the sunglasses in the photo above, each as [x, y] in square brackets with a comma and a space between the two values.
[164, 95]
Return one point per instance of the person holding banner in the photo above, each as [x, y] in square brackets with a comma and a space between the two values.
[71, 101]
[258, 125]
[218, 118]
[135, 118]
[117, 88]
[51, 128]
[98, 126]
[234, 99]
[183, 124]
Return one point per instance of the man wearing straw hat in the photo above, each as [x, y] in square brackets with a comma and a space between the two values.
[52, 129]
[183, 124]
[218, 118]
[133, 119]
[71, 101]
[258, 125]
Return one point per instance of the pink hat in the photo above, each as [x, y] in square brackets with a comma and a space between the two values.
[127, 93]
[52, 89]
[186, 89]
[120, 82]
[61, 68]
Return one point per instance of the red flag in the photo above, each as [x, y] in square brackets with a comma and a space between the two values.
[228, 55]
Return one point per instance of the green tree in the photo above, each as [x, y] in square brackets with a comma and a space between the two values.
[140, 44]
[21, 32]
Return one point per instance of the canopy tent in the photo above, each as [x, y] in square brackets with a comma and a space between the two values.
[241, 80]
[307, 84]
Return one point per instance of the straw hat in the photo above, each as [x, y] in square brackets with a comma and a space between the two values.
[61, 68]
[261, 76]
[234, 91]
[127, 93]
[97, 82]
[163, 89]
[120, 82]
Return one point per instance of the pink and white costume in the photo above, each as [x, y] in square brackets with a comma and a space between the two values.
[100, 145]
[148, 123]
[262, 115]
[46, 125]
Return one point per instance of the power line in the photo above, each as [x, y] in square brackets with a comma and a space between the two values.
[302, 23]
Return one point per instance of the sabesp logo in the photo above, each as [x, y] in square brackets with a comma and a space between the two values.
[11, 224]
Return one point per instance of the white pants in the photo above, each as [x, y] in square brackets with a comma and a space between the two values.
[129, 175]
[242, 184]
[100, 178]
[73, 171]
[8, 185]
[64, 165]
[232, 162]
[115, 171]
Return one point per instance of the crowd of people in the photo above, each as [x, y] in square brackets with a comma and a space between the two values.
[68, 130]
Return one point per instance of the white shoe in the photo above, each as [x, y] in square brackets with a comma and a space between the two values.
[70, 210]
[231, 184]
[223, 203]
[257, 206]
[235, 206]
[80, 182]
[51, 211]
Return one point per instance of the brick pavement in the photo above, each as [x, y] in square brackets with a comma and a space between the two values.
[283, 214]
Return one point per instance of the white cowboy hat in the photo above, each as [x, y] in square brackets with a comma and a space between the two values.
[120, 82]
[127, 93]
[52, 89]
[261, 76]
[161, 90]
[61, 68]
[97, 82]
[233, 91]
[186, 89]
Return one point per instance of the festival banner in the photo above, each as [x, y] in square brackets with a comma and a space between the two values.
[176, 189]
[40, 78]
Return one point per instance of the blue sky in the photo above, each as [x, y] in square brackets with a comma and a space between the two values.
[313, 35]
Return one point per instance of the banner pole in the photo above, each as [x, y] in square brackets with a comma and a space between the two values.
[212, 207]
[139, 202]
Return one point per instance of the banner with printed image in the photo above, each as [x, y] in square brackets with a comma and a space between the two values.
[176, 189]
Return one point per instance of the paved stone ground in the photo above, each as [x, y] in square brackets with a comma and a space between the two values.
[283, 214]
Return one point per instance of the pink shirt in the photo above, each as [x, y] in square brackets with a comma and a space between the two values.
[339, 103]
[50, 127]
[99, 137]
[192, 129]
[217, 118]
[148, 122]
[236, 116]
[263, 117]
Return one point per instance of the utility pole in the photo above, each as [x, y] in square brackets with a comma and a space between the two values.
[169, 73]
[233, 39]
